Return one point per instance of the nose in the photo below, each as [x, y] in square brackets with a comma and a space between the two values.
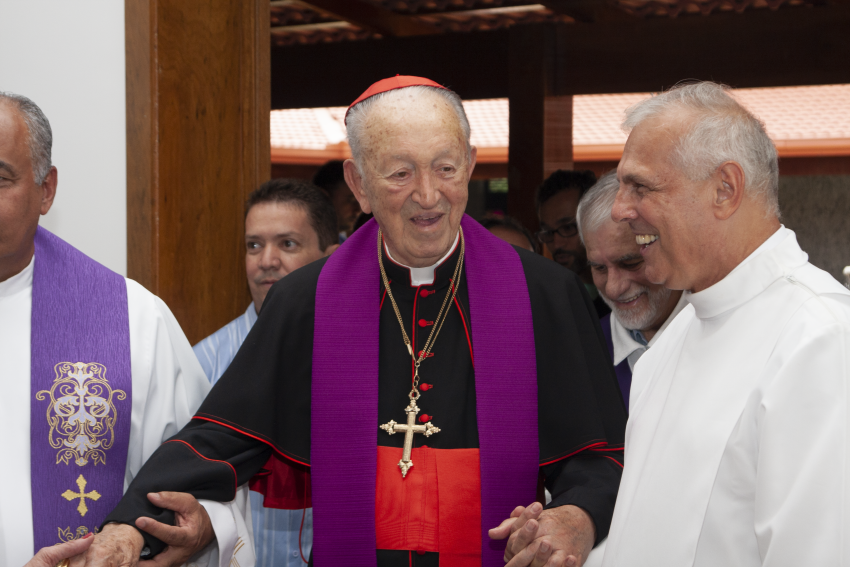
[427, 192]
[617, 283]
[269, 259]
[624, 205]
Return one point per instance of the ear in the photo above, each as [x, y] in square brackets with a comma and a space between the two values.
[330, 249]
[355, 183]
[473, 156]
[728, 190]
[48, 188]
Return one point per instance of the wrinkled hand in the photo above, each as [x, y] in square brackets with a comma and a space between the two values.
[119, 545]
[559, 537]
[115, 545]
[193, 530]
[50, 556]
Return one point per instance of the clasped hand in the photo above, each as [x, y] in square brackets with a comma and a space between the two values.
[558, 537]
[120, 545]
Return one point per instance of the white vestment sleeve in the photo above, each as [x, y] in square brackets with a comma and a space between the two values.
[234, 543]
[801, 500]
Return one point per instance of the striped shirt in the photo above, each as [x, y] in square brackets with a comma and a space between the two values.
[276, 532]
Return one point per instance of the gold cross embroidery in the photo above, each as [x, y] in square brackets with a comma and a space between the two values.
[82, 495]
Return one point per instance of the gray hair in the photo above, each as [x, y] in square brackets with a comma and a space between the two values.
[40, 134]
[595, 206]
[356, 119]
[723, 130]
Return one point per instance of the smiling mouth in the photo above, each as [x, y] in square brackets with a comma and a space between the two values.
[426, 219]
[645, 239]
[631, 299]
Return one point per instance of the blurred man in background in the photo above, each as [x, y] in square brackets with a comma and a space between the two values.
[288, 224]
[331, 178]
[510, 230]
[641, 310]
[557, 205]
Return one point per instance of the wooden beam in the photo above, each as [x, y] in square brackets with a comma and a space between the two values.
[589, 11]
[373, 18]
[758, 48]
[197, 144]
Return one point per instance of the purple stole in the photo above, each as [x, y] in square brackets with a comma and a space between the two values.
[344, 407]
[81, 391]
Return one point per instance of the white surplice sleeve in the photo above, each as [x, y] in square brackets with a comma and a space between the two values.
[168, 388]
[802, 498]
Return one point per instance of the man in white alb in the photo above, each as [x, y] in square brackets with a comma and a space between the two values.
[737, 440]
[79, 410]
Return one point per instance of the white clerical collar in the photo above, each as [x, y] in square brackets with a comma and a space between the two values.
[423, 276]
[20, 281]
[776, 257]
[625, 344]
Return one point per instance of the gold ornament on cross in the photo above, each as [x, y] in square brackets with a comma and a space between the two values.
[392, 427]
[70, 496]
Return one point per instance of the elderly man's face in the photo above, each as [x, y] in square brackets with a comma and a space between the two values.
[668, 214]
[618, 271]
[21, 199]
[416, 170]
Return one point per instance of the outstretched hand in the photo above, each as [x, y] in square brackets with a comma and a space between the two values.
[50, 556]
[558, 537]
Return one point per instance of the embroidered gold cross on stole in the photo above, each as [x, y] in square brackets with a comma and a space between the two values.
[70, 495]
[392, 427]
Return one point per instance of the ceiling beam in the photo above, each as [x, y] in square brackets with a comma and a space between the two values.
[589, 11]
[373, 18]
[758, 48]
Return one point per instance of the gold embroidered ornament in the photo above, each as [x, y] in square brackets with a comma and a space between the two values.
[412, 409]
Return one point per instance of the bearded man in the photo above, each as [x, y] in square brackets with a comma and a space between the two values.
[737, 444]
[415, 385]
[640, 309]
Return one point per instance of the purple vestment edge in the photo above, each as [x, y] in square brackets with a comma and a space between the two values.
[343, 467]
[81, 387]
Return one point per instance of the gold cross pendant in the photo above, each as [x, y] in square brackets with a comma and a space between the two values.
[392, 427]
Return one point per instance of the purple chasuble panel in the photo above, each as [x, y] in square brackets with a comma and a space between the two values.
[344, 427]
[81, 389]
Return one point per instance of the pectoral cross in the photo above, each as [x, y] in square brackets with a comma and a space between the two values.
[82, 495]
[392, 427]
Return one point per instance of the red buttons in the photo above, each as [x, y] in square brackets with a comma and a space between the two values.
[429, 355]
[425, 293]
[420, 552]
[425, 418]
[424, 323]
[425, 387]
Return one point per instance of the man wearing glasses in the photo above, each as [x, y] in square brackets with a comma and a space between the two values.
[557, 204]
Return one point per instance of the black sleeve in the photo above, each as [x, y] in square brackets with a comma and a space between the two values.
[588, 480]
[205, 459]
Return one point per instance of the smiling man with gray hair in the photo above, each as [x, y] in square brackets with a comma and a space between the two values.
[737, 443]
[640, 309]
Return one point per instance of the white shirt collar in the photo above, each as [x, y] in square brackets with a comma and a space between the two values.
[423, 276]
[625, 345]
[20, 281]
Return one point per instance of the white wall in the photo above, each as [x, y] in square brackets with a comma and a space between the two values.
[68, 57]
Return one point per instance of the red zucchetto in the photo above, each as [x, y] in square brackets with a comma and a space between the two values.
[392, 83]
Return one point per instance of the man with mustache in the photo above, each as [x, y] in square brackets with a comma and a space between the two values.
[640, 309]
[737, 441]
[288, 224]
[414, 386]
[557, 206]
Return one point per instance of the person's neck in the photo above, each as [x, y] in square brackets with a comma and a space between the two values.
[733, 248]
[411, 263]
[14, 264]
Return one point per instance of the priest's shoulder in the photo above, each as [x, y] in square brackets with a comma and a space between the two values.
[298, 288]
[540, 270]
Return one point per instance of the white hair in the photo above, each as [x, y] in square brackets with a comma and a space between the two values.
[595, 206]
[721, 131]
[356, 120]
[40, 134]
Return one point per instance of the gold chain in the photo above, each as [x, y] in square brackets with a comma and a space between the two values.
[441, 316]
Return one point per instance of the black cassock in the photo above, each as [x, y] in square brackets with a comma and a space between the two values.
[262, 401]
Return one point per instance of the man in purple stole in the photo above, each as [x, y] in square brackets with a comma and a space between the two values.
[96, 371]
[420, 386]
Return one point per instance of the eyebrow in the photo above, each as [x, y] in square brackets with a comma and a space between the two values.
[7, 167]
[629, 257]
[281, 235]
[631, 178]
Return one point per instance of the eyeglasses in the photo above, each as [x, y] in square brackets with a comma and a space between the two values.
[566, 230]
